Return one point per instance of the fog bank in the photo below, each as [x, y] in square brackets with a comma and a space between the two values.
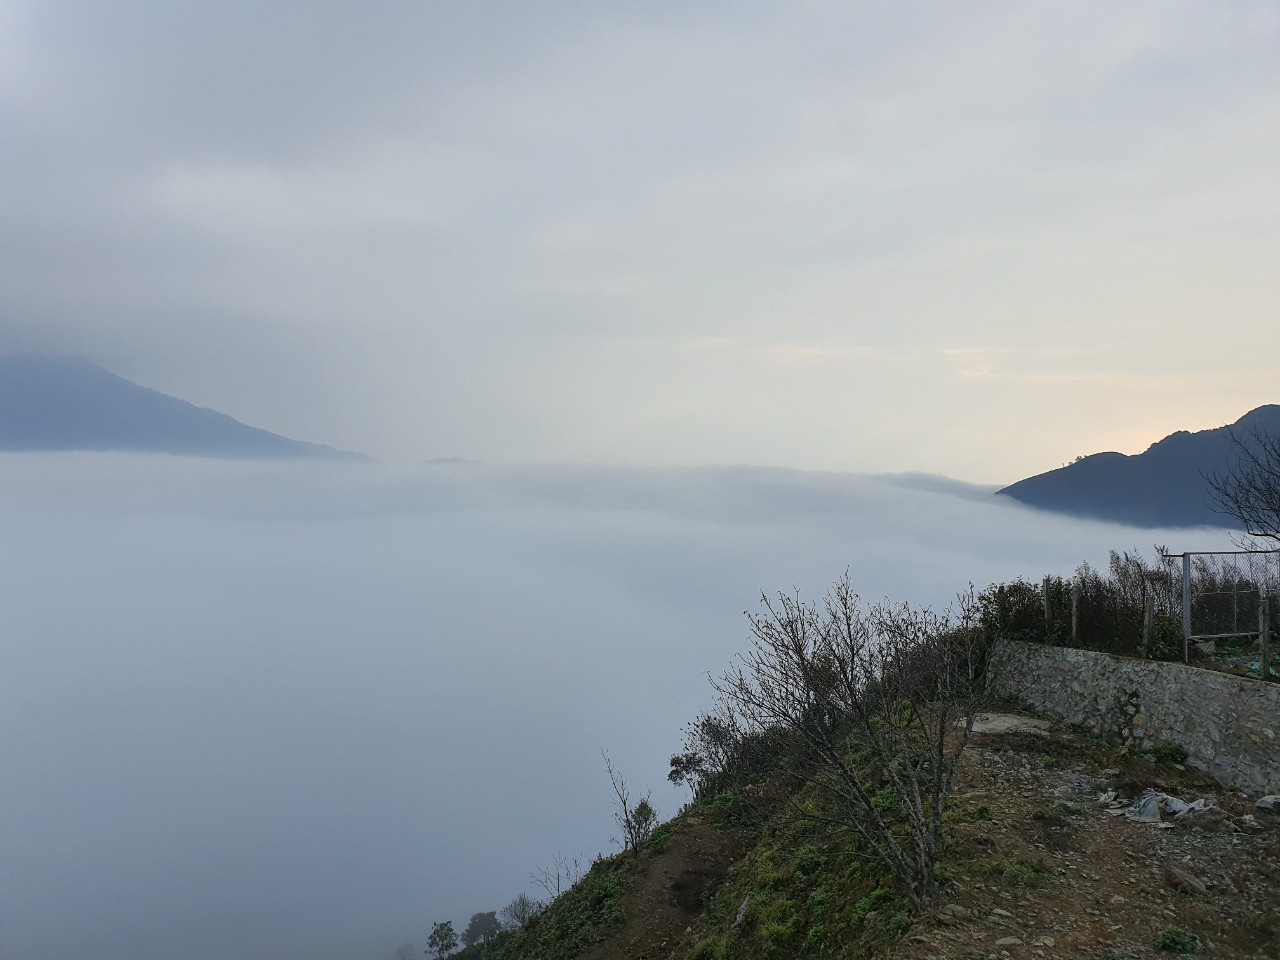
[305, 710]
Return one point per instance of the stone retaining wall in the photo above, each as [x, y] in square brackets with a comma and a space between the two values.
[1229, 726]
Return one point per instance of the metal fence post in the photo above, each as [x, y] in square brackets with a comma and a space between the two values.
[1186, 608]
[1264, 638]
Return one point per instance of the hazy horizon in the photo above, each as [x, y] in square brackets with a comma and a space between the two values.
[867, 237]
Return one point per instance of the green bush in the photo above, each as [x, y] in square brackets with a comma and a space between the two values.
[777, 937]
[577, 918]
[1012, 611]
[808, 860]
[815, 939]
[714, 948]
[1174, 940]
[819, 903]
[884, 800]
[1166, 637]
[723, 802]
[871, 902]
[661, 836]
[1169, 755]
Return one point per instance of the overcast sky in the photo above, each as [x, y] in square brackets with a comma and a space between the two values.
[977, 239]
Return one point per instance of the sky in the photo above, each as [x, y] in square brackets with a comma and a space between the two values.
[278, 711]
[971, 239]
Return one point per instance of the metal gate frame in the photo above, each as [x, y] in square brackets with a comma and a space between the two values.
[1264, 622]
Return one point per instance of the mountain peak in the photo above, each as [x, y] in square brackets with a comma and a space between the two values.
[1164, 486]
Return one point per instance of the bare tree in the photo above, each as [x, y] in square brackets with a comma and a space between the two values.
[519, 911]
[560, 876]
[879, 703]
[636, 819]
[1250, 491]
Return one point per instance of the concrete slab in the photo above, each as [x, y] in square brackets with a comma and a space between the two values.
[1010, 723]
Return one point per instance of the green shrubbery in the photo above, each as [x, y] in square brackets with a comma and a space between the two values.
[1169, 755]
[1176, 941]
[1110, 606]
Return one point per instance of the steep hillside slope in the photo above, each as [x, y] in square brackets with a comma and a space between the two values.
[1034, 866]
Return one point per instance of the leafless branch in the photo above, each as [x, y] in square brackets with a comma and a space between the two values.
[880, 701]
[1250, 491]
[560, 876]
[636, 820]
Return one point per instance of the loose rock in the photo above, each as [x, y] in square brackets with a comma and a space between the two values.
[1179, 879]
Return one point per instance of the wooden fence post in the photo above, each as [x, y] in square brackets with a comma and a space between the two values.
[1075, 614]
[1148, 616]
[1045, 591]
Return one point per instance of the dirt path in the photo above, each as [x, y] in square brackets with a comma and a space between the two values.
[669, 890]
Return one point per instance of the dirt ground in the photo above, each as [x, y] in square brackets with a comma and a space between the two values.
[1035, 866]
[670, 890]
[1039, 868]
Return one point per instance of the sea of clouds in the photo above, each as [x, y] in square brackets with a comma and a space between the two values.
[273, 710]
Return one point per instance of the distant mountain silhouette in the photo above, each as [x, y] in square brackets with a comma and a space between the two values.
[1162, 487]
[53, 403]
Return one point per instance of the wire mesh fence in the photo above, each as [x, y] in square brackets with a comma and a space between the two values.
[1167, 608]
[1226, 591]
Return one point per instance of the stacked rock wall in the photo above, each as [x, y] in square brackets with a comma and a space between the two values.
[1229, 726]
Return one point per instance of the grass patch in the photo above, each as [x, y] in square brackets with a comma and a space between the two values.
[974, 815]
[1015, 873]
[661, 837]
[871, 902]
[578, 918]
[713, 948]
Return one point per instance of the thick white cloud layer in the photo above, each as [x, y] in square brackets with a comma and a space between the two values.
[878, 236]
[273, 711]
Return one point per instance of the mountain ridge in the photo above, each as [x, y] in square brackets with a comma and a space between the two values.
[1164, 486]
[50, 403]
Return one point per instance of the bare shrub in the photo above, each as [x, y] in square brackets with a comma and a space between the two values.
[519, 911]
[562, 874]
[876, 703]
[636, 819]
[1250, 491]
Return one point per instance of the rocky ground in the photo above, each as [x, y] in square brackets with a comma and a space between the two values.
[1035, 866]
[1038, 867]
